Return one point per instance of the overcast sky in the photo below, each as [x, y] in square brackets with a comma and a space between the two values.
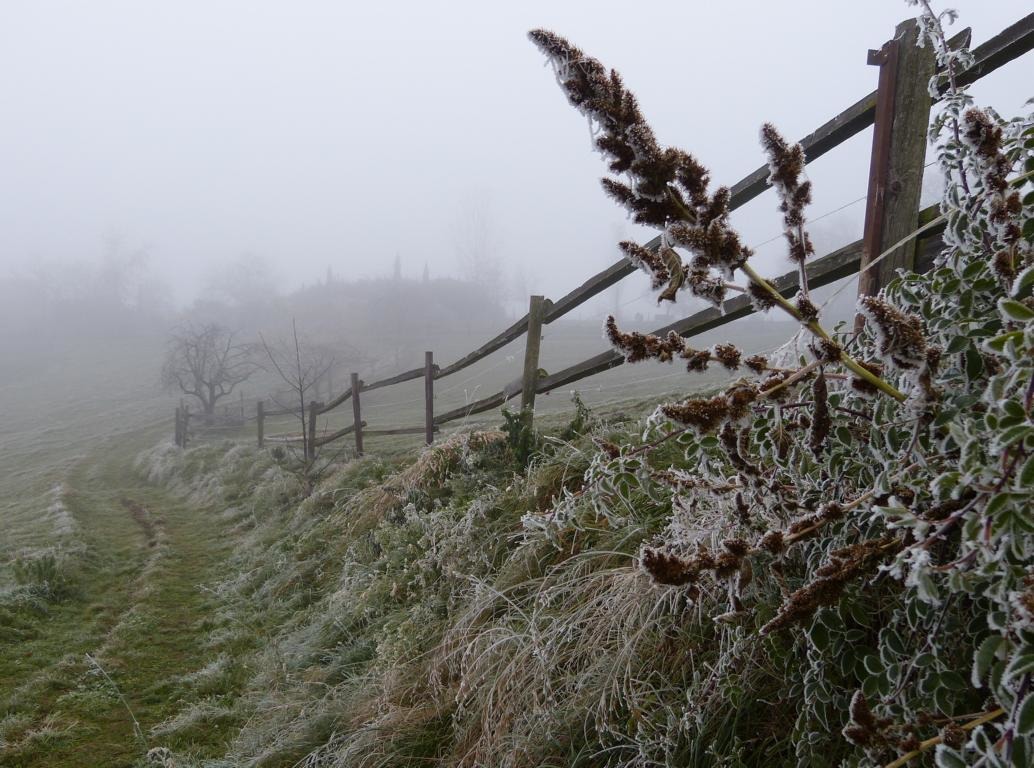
[319, 133]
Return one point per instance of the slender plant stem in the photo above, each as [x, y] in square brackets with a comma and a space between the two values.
[934, 741]
[799, 374]
[813, 326]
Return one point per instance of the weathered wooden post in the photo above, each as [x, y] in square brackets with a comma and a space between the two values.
[185, 435]
[176, 428]
[310, 441]
[898, 155]
[260, 419]
[533, 342]
[429, 397]
[357, 414]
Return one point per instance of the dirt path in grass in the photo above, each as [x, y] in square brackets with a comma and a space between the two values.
[84, 684]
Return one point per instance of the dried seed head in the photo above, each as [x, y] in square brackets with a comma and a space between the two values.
[738, 547]
[662, 180]
[844, 565]
[809, 312]
[740, 397]
[696, 359]
[953, 736]
[756, 363]
[760, 297]
[666, 567]
[775, 379]
[727, 564]
[742, 508]
[864, 386]
[734, 452]
[825, 350]
[704, 415]
[857, 735]
[1003, 267]
[647, 260]
[808, 525]
[786, 164]
[831, 510]
[639, 346]
[773, 542]
[981, 133]
[863, 729]
[727, 355]
[664, 187]
[821, 420]
[899, 334]
[860, 711]
[909, 743]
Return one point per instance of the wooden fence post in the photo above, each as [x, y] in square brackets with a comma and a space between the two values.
[898, 154]
[176, 428]
[310, 441]
[429, 397]
[533, 342]
[357, 414]
[185, 426]
[260, 419]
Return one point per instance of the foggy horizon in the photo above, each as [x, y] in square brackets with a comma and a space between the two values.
[348, 421]
[322, 136]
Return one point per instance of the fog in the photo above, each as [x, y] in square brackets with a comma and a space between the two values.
[338, 135]
[394, 177]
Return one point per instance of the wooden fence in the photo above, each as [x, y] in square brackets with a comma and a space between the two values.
[899, 111]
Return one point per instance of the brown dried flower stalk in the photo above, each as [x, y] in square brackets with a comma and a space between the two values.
[821, 421]
[845, 565]
[984, 135]
[757, 363]
[786, 165]
[703, 415]
[667, 188]
[900, 339]
[864, 729]
[642, 346]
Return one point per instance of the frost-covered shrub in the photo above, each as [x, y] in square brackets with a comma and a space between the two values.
[853, 531]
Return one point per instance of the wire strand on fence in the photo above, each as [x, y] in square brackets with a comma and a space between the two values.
[909, 237]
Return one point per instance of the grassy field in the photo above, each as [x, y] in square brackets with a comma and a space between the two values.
[92, 673]
[51, 422]
[104, 613]
[113, 637]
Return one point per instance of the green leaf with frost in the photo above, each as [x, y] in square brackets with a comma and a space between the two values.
[1025, 478]
[984, 657]
[946, 757]
[1014, 310]
[1025, 717]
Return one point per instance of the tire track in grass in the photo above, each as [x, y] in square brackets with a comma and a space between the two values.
[66, 693]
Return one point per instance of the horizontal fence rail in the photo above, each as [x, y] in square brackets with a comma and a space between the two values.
[895, 147]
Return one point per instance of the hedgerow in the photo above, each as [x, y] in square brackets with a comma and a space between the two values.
[860, 522]
[826, 563]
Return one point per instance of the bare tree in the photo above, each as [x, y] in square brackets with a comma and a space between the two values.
[207, 362]
[301, 368]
